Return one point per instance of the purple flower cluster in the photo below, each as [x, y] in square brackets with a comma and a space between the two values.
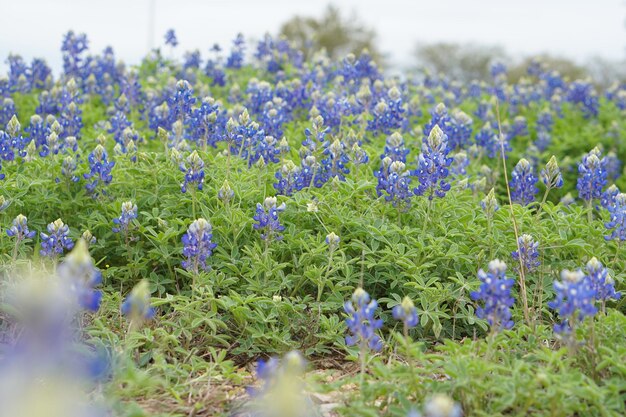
[361, 321]
[495, 293]
[170, 38]
[527, 252]
[406, 313]
[601, 282]
[394, 182]
[267, 220]
[592, 176]
[57, 240]
[198, 246]
[124, 221]
[136, 307]
[433, 165]
[100, 171]
[574, 300]
[388, 114]
[617, 222]
[19, 229]
[193, 167]
[81, 275]
[523, 183]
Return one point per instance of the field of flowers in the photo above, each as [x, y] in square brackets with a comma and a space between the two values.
[256, 232]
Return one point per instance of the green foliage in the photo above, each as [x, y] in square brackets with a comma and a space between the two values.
[520, 372]
[255, 302]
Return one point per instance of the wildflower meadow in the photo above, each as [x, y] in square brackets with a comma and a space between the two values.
[255, 231]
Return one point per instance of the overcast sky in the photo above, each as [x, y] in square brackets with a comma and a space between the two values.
[578, 29]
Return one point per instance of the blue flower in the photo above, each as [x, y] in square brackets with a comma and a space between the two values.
[439, 117]
[207, 124]
[432, 165]
[193, 167]
[19, 229]
[613, 166]
[197, 245]
[395, 148]
[267, 220]
[235, 59]
[523, 188]
[170, 38]
[543, 140]
[263, 148]
[7, 110]
[81, 275]
[37, 130]
[68, 169]
[460, 130]
[225, 193]
[493, 142]
[100, 170]
[358, 156]
[519, 128]
[582, 94]
[123, 222]
[551, 175]
[388, 114]
[395, 180]
[136, 307]
[601, 282]
[57, 240]
[73, 47]
[497, 68]
[545, 121]
[334, 163]
[617, 222]
[361, 321]
[180, 102]
[574, 300]
[529, 253]
[592, 175]
[71, 115]
[316, 134]
[495, 292]
[460, 163]
[281, 388]
[332, 240]
[406, 312]
[272, 372]
[287, 178]
[490, 204]
[607, 200]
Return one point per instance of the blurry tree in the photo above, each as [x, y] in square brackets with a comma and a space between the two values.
[463, 62]
[332, 32]
[569, 69]
[606, 72]
[467, 62]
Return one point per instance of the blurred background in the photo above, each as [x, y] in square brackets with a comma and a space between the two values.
[577, 37]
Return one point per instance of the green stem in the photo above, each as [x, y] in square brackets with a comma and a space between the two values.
[363, 362]
[320, 288]
[409, 357]
[543, 201]
[266, 257]
[522, 282]
[15, 250]
[427, 219]
[193, 203]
